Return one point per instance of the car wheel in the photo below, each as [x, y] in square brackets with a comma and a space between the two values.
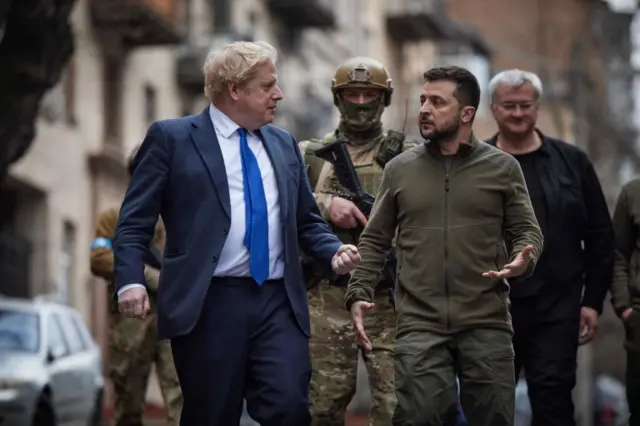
[44, 413]
[96, 415]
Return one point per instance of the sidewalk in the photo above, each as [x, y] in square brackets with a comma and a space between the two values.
[154, 411]
[154, 415]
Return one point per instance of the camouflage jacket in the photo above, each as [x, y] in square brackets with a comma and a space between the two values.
[323, 180]
[368, 161]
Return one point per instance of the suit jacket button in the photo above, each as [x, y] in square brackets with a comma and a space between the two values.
[225, 232]
[215, 259]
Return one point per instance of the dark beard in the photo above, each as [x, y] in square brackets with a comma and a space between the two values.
[444, 135]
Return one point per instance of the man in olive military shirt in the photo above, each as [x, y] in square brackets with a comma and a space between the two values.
[625, 289]
[464, 224]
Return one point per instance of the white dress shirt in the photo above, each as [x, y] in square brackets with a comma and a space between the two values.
[234, 258]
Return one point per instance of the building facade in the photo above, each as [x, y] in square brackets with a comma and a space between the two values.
[137, 62]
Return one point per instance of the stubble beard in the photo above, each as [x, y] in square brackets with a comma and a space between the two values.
[445, 135]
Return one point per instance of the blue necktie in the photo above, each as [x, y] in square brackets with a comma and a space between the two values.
[256, 238]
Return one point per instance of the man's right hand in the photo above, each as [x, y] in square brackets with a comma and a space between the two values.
[134, 303]
[357, 318]
[345, 214]
[626, 313]
[515, 268]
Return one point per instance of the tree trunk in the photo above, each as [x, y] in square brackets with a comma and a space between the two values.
[36, 41]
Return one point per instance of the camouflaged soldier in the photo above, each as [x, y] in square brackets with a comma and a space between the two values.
[133, 343]
[362, 90]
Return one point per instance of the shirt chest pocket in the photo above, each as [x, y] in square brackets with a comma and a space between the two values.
[571, 202]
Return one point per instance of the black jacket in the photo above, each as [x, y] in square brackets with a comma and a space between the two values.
[579, 240]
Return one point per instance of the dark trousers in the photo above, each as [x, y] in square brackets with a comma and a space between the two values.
[633, 386]
[426, 365]
[246, 344]
[632, 345]
[546, 348]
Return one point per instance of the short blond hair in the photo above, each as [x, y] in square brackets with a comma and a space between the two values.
[235, 63]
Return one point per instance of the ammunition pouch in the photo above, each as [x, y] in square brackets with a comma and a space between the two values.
[390, 147]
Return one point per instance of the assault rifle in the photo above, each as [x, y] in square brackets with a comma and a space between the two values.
[337, 154]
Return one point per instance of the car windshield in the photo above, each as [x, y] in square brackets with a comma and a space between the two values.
[19, 331]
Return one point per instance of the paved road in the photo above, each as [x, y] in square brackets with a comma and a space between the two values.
[244, 421]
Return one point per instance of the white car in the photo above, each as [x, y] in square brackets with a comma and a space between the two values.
[50, 366]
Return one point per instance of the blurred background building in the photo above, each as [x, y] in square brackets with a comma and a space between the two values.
[137, 61]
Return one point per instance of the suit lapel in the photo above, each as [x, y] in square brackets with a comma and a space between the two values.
[204, 138]
[274, 151]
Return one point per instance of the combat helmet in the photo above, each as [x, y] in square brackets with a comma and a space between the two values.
[362, 72]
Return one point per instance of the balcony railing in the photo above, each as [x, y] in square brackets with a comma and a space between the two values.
[414, 20]
[304, 13]
[15, 264]
[137, 22]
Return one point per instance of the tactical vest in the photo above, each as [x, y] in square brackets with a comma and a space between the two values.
[369, 172]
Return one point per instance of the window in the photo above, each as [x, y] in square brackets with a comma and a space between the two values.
[221, 16]
[150, 102]
[69, 92]
[67, 258]
[82, 330]
[56, 344]
[112, 77]
[8, 208]
[70, 332]
[187, 19]
[19, 331]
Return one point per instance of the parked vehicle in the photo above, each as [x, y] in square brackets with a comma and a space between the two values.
[609, 403]
[50, 366]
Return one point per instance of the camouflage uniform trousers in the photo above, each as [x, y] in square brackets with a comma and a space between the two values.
[133, 348]
[334, 357]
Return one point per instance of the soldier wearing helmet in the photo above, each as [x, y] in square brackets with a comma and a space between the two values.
[362, 89]
[133, 343]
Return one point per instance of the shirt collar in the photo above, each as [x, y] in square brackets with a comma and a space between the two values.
[544, 147]
[464, 149]
[222, 123]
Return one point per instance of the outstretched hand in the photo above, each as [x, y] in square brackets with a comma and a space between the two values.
[357, 318]
[515, 268]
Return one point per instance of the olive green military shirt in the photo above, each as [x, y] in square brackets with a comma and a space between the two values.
[452, 226]
[625, 289]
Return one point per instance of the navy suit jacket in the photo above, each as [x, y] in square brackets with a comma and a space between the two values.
[180, 175]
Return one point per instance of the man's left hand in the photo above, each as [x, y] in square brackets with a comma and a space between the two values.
[515, 268]
[588, 325]
[346, 259]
